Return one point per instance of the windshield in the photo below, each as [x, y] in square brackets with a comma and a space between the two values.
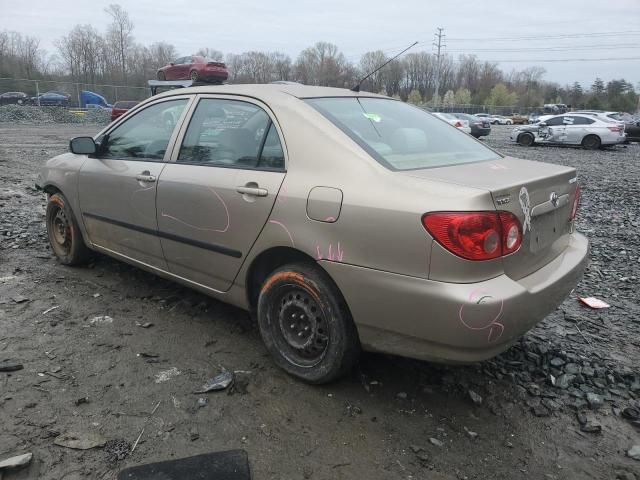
[399, 136]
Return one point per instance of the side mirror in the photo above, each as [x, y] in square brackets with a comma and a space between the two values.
[82, 146]
[542, 124]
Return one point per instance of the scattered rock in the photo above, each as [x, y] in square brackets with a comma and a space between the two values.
[219, 382]
[594, 400]
[401, 395]
[540, 411]
[16, 462]
[471, 434]
[634, 452]
[475, 398]
[117, 450]
[80, 440]
[20, 298]
[436, 442]
[563, 381]
[10, 366]
[101, 320]
[202, 402]
[81, 400]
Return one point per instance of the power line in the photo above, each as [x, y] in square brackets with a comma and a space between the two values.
[541, 60]
[549, 49]
[547, 37]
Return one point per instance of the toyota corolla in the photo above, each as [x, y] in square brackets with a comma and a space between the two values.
[344, 220]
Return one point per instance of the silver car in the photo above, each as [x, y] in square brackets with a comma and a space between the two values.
[570, 129]
[344, 220]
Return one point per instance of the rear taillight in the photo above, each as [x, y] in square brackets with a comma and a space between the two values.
[618, 128]
[458, 125]
[576, 203]
[475, 235]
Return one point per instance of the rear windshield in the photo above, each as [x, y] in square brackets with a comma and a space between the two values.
[400, 136]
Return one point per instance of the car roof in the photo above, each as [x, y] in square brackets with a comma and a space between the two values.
[270, 92]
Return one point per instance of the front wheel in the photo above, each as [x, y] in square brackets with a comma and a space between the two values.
[64, 233]
[305, 324]
[591, 142]
[526, 139]
[161, 76]
[509, 122]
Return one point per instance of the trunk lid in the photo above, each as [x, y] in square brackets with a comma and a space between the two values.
[541, 195]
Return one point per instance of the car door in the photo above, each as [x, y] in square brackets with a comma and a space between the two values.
[574, 129]
[216, 194]
[117, 187]
[554, 132]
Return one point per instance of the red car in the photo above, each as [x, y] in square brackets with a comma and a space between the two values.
[194, 67]
[120, 108]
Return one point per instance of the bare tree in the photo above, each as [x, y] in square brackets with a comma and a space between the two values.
[119, 35]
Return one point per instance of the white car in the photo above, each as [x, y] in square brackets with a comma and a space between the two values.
[456, 122]
[500, 120]
[570, 129]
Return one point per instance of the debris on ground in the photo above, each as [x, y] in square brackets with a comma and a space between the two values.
[593, 302]
[144, 325]
[10, 366]
[19, 298]
[101, 319]
[167, 375]
[80, 440]
[55, 307]
[117, 450]
[16, 462]
[634, 452]
[219, 382]
[475, 398]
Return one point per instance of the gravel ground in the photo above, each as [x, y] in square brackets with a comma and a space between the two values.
[554, 406]
[29, 114]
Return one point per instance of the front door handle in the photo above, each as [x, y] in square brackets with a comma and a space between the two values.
[255, 191]
[145, 177]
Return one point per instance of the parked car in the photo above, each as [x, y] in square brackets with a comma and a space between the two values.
[501, 120]
[194, 68]
[518, 119]
[570, 129]
[14, 98]
[121, 107]
[255, 196]
[463, 125]
[479, 127]
[631, 124]
[52, 98]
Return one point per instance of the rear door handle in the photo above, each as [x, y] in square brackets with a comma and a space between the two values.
[145, 178]
[255, 191]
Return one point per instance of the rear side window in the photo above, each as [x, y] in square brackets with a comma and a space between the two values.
[399, 136]
[231, 133]
[555, 121]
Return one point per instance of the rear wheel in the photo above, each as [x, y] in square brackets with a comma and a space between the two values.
[306, 325]
[63, 231]
[161, 76]
[526, 139]
[509, 122]
[591, 142]
[194, 75]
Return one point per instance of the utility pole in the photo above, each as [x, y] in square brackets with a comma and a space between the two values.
[439, 36]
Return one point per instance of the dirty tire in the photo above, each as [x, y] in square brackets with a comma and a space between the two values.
[194, 75]
[161, 76]
[525, 139]
[64, 234]
[591, 142]
[305, 324]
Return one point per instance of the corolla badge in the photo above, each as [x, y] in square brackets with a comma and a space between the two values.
[554, 199]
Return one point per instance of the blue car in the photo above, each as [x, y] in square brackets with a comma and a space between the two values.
[52, 98]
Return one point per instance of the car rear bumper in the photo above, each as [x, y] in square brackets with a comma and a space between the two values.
[481, 131]
[454, 323]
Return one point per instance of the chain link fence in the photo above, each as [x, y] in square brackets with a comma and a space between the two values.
[36, 88]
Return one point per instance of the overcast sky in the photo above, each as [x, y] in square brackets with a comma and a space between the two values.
[608, 28]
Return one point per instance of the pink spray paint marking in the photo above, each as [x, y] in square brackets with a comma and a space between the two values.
[276, 222]
[498, 166]
[495, 327]
[339, 253]
[330, 219]
[205, 229]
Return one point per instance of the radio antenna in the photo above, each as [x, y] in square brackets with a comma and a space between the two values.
[356, 88]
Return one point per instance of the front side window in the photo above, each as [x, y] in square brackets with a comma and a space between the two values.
[146, 135]
[231, 133]
[399, 136]
[554, 121]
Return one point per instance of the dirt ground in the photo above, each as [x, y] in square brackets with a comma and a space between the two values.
[391, 419]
